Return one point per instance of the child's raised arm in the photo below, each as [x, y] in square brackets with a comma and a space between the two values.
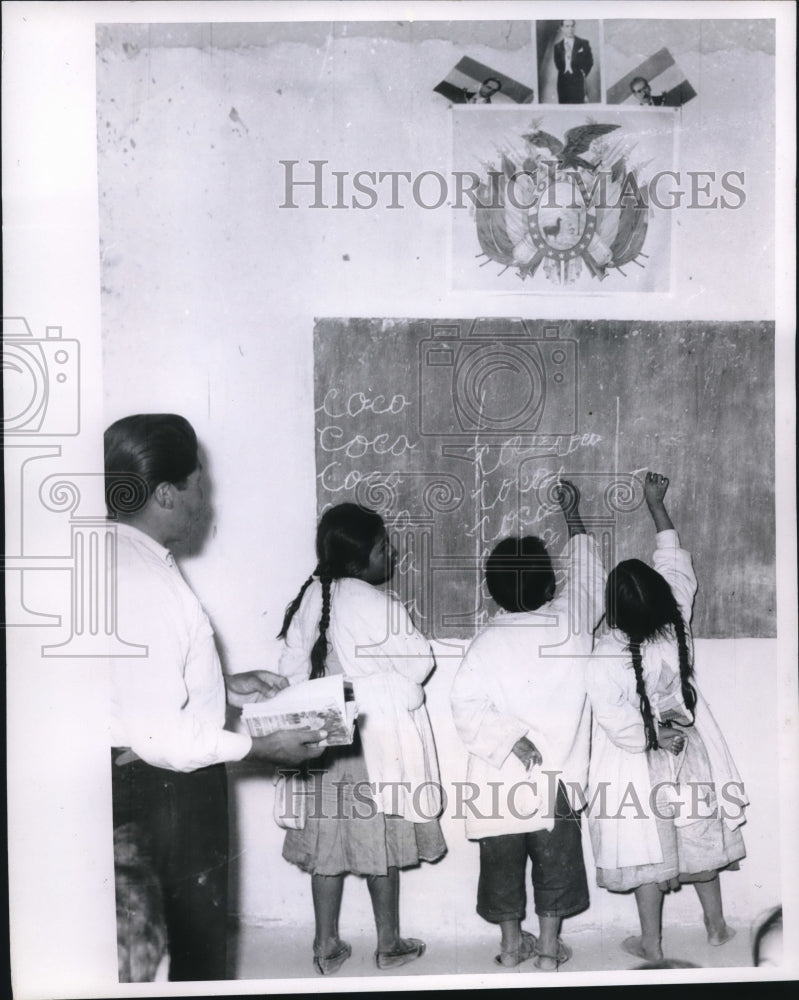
[671, 561]
[655, 487]
[583, 590]
[568, 496]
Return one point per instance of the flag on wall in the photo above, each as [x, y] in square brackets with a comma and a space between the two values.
[468, 75]
[664, 76]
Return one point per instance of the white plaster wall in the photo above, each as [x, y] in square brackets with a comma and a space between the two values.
[209, 295]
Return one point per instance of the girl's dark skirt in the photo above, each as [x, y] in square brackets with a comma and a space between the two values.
[344, 832]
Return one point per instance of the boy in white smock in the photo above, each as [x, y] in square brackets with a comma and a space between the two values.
[519, 705]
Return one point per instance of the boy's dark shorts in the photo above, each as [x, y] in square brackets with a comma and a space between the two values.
[560, 886]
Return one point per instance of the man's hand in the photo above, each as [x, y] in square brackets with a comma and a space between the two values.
[289, 746]
[528, 753]
[253, 685]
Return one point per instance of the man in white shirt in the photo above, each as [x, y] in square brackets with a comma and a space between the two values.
[168, 735]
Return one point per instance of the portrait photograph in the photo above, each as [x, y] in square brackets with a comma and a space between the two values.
[569, 62]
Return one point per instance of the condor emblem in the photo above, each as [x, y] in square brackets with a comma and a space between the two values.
[564, 205]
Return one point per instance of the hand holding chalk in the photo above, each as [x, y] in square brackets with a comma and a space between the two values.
[655, 487]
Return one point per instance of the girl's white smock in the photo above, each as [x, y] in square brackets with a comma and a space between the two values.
[621, 819]
[387, 660]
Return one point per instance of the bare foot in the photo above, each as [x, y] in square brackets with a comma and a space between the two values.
[717, 938]
[635, 946]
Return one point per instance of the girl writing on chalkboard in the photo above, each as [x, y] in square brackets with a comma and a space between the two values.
[669, 799]
[376, 802]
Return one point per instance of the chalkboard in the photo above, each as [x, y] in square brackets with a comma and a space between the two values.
[456, 431]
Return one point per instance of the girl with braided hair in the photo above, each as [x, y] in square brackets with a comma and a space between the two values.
[666, 800]
[376, 803]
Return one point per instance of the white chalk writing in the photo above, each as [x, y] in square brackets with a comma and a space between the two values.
[330, 478]
[508, 483]
[358, 446]
[359, 402]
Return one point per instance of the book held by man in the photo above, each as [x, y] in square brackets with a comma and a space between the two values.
[325, 703]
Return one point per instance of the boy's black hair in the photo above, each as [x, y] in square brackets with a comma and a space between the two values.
[519, 574]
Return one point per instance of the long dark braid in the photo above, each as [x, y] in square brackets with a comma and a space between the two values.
[294, 607]
[320, 647]
[643, 697]
[344, 540]
[640, 602]
[686, 667]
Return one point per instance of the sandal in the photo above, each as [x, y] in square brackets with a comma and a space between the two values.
[525, 950]
[409, 950]
[326, 965]
[562, 957]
